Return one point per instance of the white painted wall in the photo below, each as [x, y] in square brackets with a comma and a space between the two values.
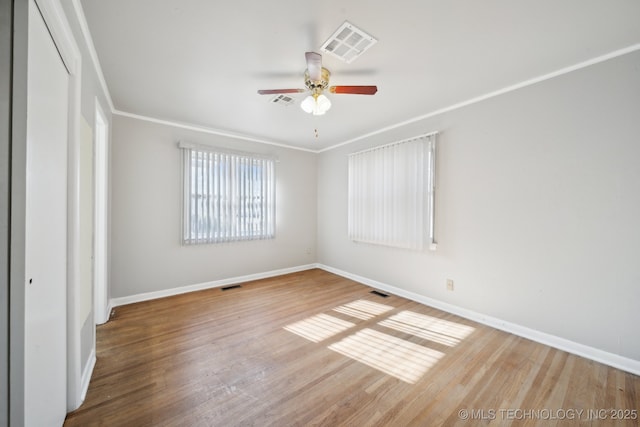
[537, 209]
[147, 255]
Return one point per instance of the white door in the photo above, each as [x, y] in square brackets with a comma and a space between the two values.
[46, 230]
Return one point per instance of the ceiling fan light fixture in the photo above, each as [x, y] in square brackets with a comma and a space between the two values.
[316, 104]
[316, 79]
[323, 104]
[308, 104]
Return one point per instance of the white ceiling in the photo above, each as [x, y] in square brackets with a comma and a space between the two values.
[200, 62]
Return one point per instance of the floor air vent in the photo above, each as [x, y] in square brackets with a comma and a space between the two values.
[380, 294]
[226, 288]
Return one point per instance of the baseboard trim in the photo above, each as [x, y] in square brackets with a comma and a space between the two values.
[592, 353]
[86, 375]
[115, 302]
[610, 359]
[109, 310]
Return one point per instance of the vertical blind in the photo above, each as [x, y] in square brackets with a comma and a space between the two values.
[392, 193]
[227, 196]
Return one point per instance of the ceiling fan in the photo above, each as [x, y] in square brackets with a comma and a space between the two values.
[316, 79]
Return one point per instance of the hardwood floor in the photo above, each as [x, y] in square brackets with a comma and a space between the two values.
[313, 348]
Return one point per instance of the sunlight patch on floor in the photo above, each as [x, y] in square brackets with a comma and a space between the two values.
[319, 327]
[363, 309]
[428, 327]
[394, 356]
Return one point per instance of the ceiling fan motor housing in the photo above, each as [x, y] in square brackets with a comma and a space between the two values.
[317, 86]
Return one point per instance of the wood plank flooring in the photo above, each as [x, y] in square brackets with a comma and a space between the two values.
[313, 348]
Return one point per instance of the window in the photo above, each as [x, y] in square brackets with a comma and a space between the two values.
[227, 196]
[391, 194]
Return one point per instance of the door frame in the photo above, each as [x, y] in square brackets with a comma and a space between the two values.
[101, 215]
[6, 63]
[62, 36]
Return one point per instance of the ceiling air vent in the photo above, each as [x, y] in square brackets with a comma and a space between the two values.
[282, 100]
[348, 42]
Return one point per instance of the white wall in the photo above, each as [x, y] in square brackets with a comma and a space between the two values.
[538, 209]
[147, 255]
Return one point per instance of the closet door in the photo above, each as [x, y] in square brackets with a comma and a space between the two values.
[46, 229]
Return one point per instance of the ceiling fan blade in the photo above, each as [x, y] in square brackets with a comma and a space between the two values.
[277, 91]
[354, 90]
[314, 65]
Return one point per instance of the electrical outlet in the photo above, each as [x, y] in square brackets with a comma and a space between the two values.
[449, 285]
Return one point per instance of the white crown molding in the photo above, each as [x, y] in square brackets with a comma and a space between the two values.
[592, 353]
[86, 34]
[89, 41]
[58, 26]
[209, 130]
[562, 71]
